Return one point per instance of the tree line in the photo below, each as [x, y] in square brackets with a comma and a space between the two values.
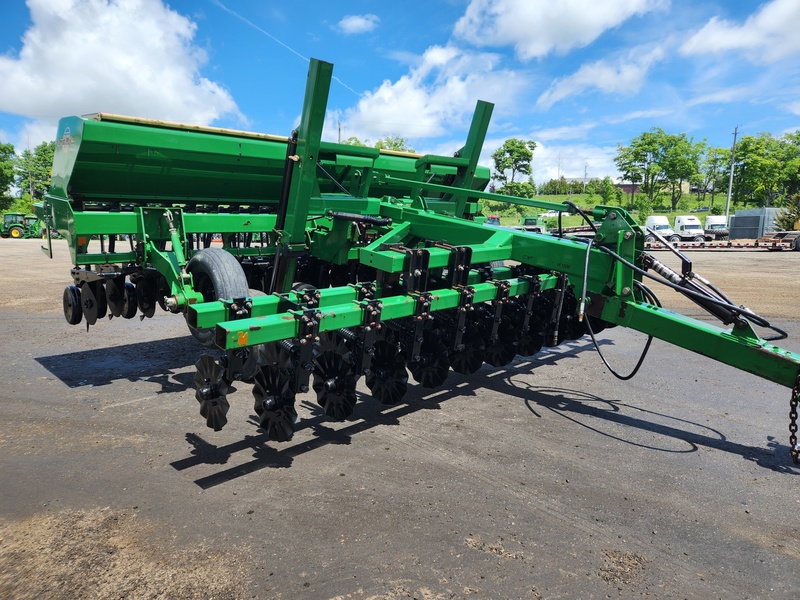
[661, 166]
[29, 172]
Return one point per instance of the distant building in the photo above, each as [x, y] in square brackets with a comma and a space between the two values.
[629, 188]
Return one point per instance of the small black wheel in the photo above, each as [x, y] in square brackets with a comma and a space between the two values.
[649, 238]
[129, 303]
[674, 239]
[72, 304]
[217, 275]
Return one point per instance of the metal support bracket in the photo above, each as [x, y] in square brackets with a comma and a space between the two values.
[534, 291]
[464, 306]
[416, 276]
[503, 288]
[558, 304]
[308, 333]
[422, 314]
[370, 331]
[460, 261]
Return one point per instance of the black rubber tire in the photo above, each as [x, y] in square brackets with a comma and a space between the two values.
[649, 239]
[217, 275]
[699, 238]
[17, 233]
[73, 311]
[674, 239]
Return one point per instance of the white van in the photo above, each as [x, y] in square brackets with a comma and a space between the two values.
[689, 228]
[658, 223]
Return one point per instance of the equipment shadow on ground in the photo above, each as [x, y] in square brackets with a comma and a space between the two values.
[155, 360]
[587, 410]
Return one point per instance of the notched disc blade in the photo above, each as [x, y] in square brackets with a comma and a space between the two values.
[335, 385]
[387, 379]
[274, 402]
[470, 358]
[433, 365]
[211, 392]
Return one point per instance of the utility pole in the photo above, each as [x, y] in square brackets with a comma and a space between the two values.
[730, 179]
[340, 131]
[585, 171]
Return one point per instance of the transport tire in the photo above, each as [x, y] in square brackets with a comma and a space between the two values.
[16, 232]
[674, 239]
[217, 275]
[649, 239]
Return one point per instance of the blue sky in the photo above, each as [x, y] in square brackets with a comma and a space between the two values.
[576, 76]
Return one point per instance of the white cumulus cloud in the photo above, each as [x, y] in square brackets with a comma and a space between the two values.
[133, 57]
[434, 96]
[537, 27]
[352, 24]
[768, 35]
[624, 76]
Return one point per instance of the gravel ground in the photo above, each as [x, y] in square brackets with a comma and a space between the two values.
[547, 478]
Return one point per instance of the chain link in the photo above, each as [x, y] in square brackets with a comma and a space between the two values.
[793, 447]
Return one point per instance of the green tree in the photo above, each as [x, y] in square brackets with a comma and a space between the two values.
[789, 157]
[713, 174]
[660, 162]
[354, 141]
[635, 162]
[679, 160]
[511, 159]
[387, 142]
[393, 142]
[757, 170]
[7, 158]
[521, 189]
[34, 169]
[789, 216]
[607, 190]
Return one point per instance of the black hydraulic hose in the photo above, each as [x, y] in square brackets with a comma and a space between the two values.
[647, 294]
[651, 298]
[359, 218]
[758, 320]
[582, 213]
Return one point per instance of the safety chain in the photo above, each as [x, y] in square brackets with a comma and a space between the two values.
[793, 447]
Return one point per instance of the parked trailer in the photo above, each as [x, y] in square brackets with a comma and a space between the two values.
[761, 244]
[338, 262]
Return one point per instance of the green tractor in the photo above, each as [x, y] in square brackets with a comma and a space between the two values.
[18, 225]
